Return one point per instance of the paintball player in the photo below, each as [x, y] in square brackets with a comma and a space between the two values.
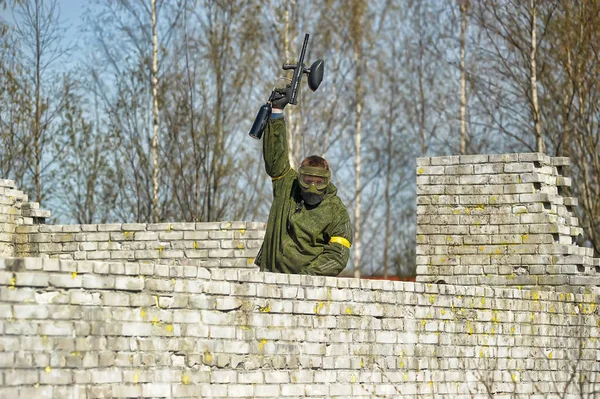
[309, 229]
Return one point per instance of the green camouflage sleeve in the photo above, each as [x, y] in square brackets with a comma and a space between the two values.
[275, 149]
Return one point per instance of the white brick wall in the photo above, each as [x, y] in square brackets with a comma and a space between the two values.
[172, 334]
[475, 212]
[225, 244]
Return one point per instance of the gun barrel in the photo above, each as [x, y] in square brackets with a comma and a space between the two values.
[298, 71]
[303, 52]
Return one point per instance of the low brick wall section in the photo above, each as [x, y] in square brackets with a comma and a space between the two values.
[80, 329]
[218, 244]
[15, 210]
[500, 220]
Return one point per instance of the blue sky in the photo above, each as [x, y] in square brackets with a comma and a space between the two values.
[70, 13]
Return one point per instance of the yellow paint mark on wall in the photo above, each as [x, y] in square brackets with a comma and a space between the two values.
[443, 311]
[185, 379]
[136, 378]
[432, 298]
[74, 275]
[48, 369]
[195, 245]
[208, 357]
[13, 282]
[353, 378]
[318, 307]
[420, 171]
[348, 310]
[169, 328]
[536, 296]
[261, 344]
[142, 313]
[155, 320]
[264, 309]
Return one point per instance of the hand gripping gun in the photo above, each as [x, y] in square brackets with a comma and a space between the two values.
[315, 77]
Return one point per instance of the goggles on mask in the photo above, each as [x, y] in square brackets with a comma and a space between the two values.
[313, 179]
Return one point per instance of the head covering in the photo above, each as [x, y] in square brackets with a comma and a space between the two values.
[313, 181]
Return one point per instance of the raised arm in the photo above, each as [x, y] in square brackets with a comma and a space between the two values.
[275, 147]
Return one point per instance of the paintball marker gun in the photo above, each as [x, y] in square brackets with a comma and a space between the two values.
[315, 76]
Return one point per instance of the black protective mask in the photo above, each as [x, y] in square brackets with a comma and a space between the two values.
[312, 199]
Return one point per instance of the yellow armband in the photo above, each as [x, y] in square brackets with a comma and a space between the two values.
[340, 240]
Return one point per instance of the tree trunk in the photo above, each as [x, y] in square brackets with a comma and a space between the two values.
[464, 6]
[154, 116]
[357, 162]
[38, 104]
[533, 74]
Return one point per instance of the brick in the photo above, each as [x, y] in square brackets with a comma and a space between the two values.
[129, 283]
[146, 236]
[65, 280]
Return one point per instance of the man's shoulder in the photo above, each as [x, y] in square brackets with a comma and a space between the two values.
[335, 204]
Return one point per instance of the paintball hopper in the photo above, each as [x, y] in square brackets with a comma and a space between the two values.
[315, 74]
[315, 77]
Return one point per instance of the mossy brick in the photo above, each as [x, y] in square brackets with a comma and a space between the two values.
[40, 238]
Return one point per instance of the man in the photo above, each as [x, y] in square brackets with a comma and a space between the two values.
[309, 229]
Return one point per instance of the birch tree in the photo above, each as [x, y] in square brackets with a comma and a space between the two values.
[464, 7]
[155, 160]
[39, 31]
